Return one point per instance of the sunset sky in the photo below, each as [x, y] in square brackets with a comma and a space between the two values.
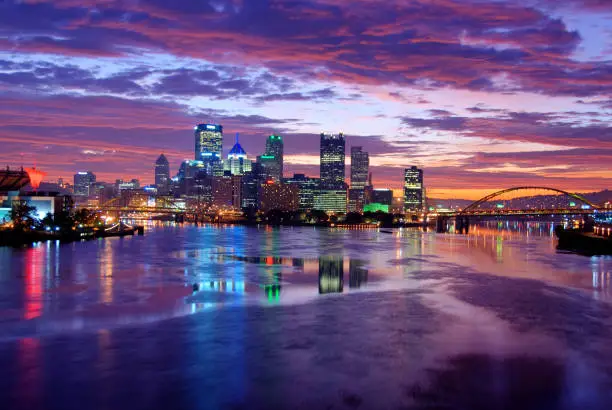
[482, 94]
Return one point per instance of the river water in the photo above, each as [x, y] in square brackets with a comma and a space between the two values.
[306, 318]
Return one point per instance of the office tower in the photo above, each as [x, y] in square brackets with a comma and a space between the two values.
[331, 274]
[276, 195]
[413, 190]
[162, 175]
[237, 161]
[332, 161]
[360, 163]
[227, 192]
[82, 182]
[332, 194]
[209, 147]
[271, 161]
[308, 189]
[250, 187]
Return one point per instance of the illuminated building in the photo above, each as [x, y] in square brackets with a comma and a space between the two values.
[608, 205]
[332, 194]
[276, 195]
[331, 200]
[360, 162]
[237, 162]
[413, 190]
[273, 158]
[332, 161]
[331, 274]
[121, 185]
[82, 183]
[209, 147]
[308, 189]
[376, 207]
[162, 175]
[251, 182]
[227, 191]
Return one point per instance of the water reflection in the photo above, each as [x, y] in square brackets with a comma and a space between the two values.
[331, 274]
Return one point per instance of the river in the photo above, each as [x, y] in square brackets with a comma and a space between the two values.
[238, 317]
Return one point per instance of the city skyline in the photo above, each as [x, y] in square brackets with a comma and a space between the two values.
[482, 95]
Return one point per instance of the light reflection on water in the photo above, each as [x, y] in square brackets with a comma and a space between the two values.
[236, 317]
[175, 270]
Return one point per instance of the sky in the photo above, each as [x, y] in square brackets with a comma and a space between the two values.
[483, 95]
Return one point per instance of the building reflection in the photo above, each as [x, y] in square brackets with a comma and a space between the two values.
[358, 274]
[331, 274]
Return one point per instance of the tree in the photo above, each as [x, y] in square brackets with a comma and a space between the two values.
[22, 215]
[354, 218]
[318, 216]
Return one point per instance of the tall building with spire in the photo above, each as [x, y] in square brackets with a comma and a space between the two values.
[162, 175]
[237, 161]
[209, 147]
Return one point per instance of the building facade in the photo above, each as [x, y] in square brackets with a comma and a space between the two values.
[360, 163]
[332, 161]
[413, 190]
[276, 195]
[82, 183]
[209, 147]
[273, 157]
[331, 200]
[162, 175]
[308, 189]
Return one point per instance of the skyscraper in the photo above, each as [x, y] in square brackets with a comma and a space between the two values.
[209, 147]
[162, 175]
[332, 195]
[82, 182]
[332, 161]
[272, 159]
[413, 190]
[360, 162]
[237, 161]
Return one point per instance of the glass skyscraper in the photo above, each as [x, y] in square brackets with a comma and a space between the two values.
[162, 175]
[209, 147]
[82, 182]
[332, 194]
[272, 159]
[413, 190]
[360, 162]
[332, 161]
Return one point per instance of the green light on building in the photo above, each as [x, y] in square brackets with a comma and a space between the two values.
[375, 207]
[500, 206]
[276, 137]
[267, 157]
[572, 203]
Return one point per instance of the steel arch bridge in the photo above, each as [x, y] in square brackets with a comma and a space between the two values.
[474, 207]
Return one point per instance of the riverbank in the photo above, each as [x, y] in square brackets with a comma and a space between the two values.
[24, 238]
[584, 243]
